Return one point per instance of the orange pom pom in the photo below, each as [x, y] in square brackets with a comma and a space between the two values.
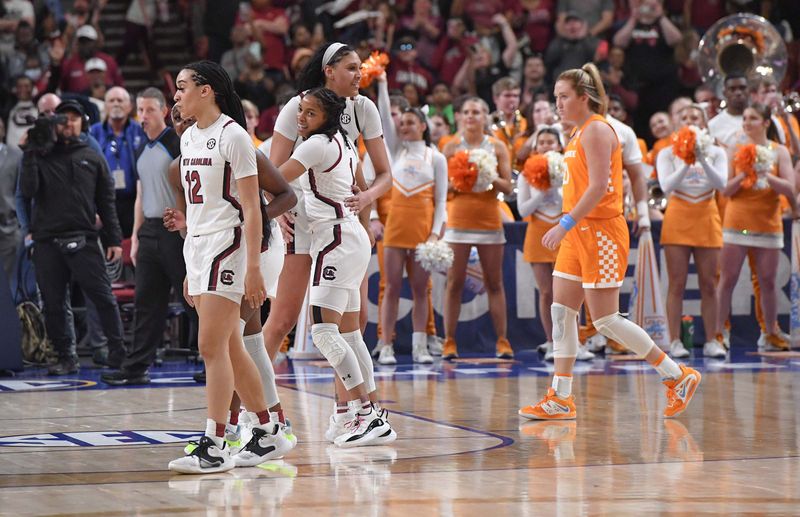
[373, 67]
[462, 172]
[683, 144]
[536, 172]
[744, 161]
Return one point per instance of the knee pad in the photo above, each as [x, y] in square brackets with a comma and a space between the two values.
[630, 335]
[329, 342]
[359, 347]
[565, 331]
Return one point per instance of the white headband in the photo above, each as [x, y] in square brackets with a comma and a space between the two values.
[329, 52]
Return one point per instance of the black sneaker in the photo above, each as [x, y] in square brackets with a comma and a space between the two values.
[100, 356]
[200, 377]
[64, 366]
[116, 358]
[205, 458]
[121, 378]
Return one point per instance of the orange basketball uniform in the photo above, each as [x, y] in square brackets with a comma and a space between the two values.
[595, 251]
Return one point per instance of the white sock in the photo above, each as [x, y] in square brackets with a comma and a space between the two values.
[667, 368]
[211, 432]
[419, 339]
[258, 352]
[563, 385]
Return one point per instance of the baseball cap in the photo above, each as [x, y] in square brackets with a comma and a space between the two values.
[70, 105]
[95, 63]
[86, 31]
[572, 15]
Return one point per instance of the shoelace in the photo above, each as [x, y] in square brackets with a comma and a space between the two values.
[354, 423]
[672, 397]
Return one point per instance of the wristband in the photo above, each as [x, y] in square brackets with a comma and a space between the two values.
[373, 215]
[567, 222]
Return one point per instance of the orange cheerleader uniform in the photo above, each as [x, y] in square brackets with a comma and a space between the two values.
[595, 251]
[474, 217]
[419, 196]
[753, 216]
[542, 210]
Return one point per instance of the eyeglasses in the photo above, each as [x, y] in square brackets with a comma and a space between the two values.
[406, 46]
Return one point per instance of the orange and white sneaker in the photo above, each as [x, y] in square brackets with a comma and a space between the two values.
[449, 350]
[503, 349]
[773, 343]
[551, 407]
[681, 390]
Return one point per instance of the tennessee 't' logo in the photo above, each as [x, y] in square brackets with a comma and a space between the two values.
[226, 277]
[344, 119]
[329, 273]
[211, 143]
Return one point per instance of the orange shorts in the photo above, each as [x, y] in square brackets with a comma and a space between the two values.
[595, 253]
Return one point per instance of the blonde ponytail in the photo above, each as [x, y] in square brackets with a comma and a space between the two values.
[586, 80]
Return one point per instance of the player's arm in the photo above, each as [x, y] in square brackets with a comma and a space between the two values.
[270, 180]
[503, 182]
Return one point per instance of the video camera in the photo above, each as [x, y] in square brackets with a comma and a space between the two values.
[42, 136]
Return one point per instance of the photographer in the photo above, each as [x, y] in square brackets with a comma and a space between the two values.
[69, 183]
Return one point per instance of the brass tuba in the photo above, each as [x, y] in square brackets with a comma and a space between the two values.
[741, 44]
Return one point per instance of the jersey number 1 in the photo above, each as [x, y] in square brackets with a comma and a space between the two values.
[193, 187]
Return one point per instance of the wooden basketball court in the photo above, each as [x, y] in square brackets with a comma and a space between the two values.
[73, 447]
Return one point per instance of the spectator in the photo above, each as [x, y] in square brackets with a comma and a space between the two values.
[251, 116]
[21, 116]
[301, 39]
[266, 122]
[65, 235]
[14, 11]
[483, 13]
[726, 127]
[254, 83]
[648, 38]
[268, 25]
[765, 91]
[96, 93]
[411, 93]
[139, 21]
[686, 58]
[83, 12]
[439, 127]
[300, 59]
[156, 252]
[543, 113]
[72, 71]
[616, 108]
[705, 96]
[405, 69]
[9, 226]
[120, 137]
[26, 45]
[425, 26]
[571, 49]
[676, 107]
[539, 15]
[598, 15]
[613, 74]
[453, 50]
[234, 60]
[533, 81]
[702, 14]
[660, 129]
[441, 103]
[508, 124]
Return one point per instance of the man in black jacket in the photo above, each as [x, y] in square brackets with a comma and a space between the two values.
[70, 185]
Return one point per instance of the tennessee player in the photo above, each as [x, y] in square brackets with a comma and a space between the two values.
[594, 250]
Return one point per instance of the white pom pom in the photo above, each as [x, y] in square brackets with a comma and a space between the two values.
[487, 169]
[434, 256]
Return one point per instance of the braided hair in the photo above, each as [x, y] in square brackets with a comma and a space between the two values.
[333, 106]
[213, 75]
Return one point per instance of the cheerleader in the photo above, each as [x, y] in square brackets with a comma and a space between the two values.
[592, 260]
[544, 209]
[753, 218]
[692, 227]
[474, 220]
[340, 247]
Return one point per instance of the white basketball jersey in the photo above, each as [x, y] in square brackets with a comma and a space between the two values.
[212, 159]
[331, 172]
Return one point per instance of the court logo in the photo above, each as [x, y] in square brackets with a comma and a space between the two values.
[329, 273]
[345, 119]
[43, 385]
[226, 277]
[99, 438]
[211, 143]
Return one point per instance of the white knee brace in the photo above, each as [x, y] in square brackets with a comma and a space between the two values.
[630, 335]
[565, 331]
[332, 345]
[359, 347]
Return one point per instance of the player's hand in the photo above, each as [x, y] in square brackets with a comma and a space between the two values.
[286, 224]
[359, 201]
[174, 220]
[553, 237]
[254, 291]
[186, 295]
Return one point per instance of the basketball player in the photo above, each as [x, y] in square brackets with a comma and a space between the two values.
[593, 256]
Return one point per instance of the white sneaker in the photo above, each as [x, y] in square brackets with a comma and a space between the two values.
[362, 430]
[677, 350]
[596, 343]
[336, 425]
[377, 350]
[386, 355]
[548, 353]
[584, 354]
[714, 349]
[204, 458]
[420, 354]
[267, 443]
[435, 345]
[233, 438]
[288, 432]
[544, 347]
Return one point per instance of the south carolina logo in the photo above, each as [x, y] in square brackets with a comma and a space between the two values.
[226, 277]
[211, 143]
[329, 273]
[344, 119]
